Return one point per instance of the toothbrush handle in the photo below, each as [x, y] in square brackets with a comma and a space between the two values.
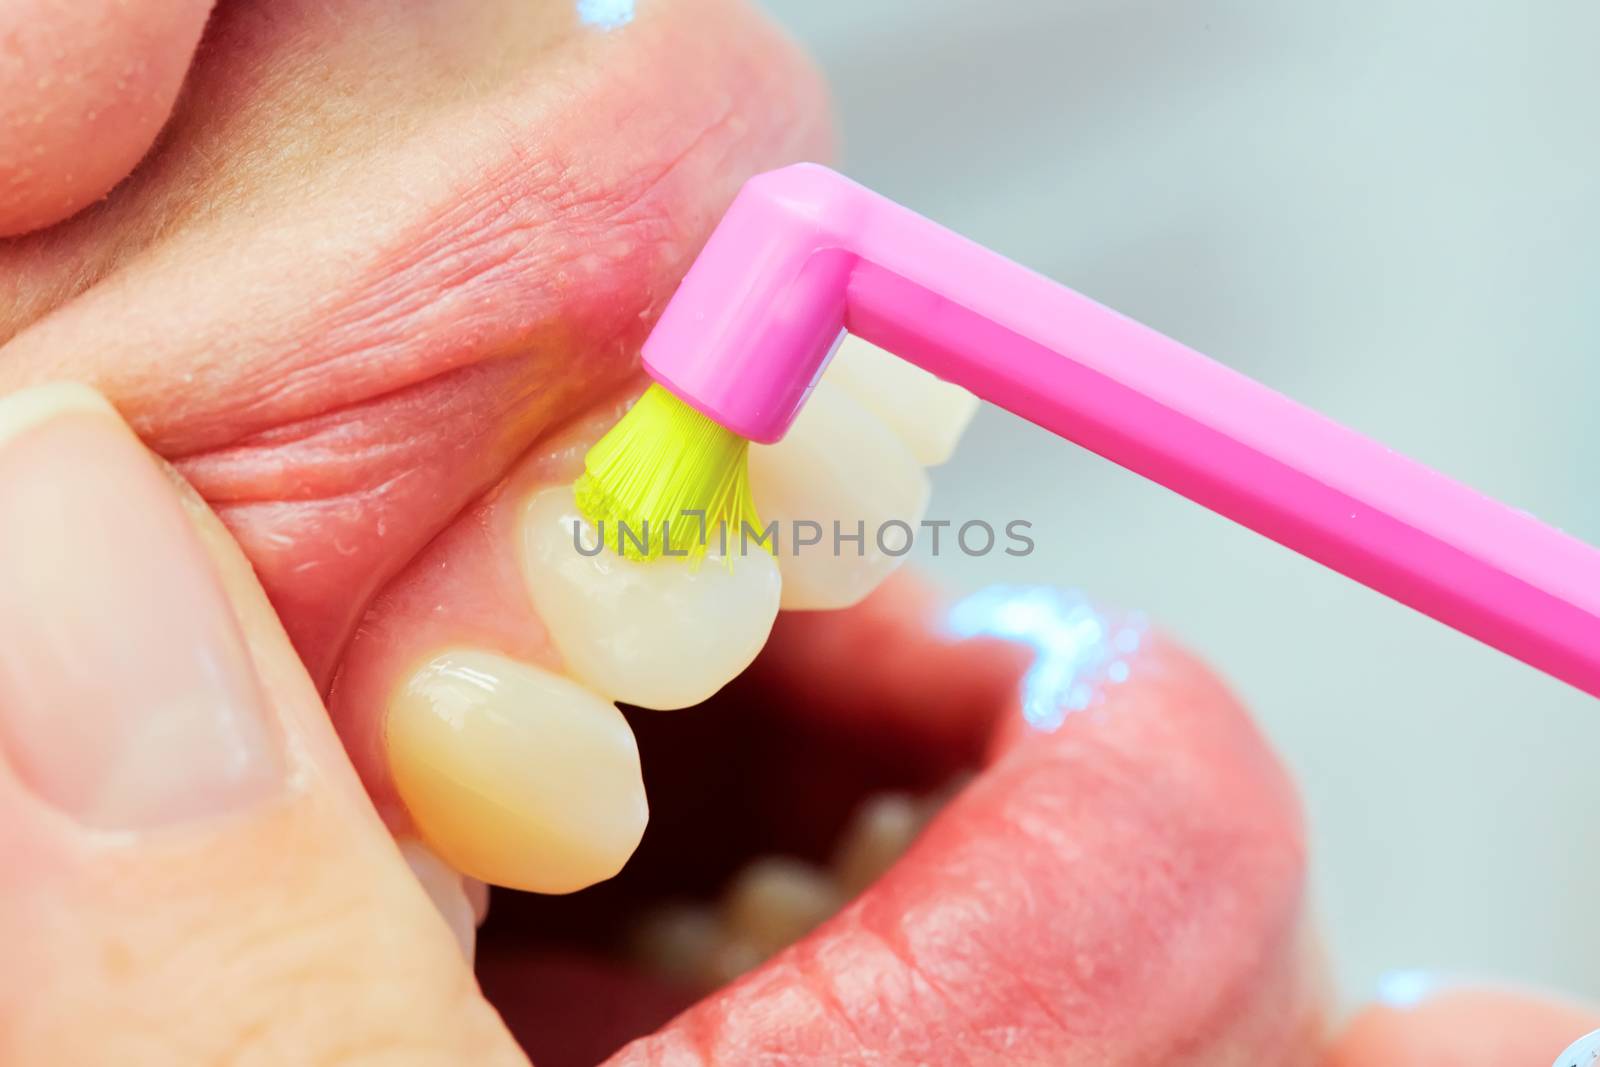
[1162, 410]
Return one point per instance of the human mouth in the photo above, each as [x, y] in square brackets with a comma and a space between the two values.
[1125, 888]
[370, 340]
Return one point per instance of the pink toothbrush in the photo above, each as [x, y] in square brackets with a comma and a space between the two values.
[804, 254]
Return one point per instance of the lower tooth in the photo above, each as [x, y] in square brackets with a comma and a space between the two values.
[775, 901]
[732, 958]
[842, 478]
[680, 942]
[660, 634]
[882, 828]
[515, 775]
[693, 945]
[927, 413]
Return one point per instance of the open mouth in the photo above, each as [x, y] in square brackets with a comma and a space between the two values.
[742, 858]
[1121, 888]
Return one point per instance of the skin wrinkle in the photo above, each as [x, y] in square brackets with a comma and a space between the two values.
[819, 983]
[574, 197]
[289, 992]
[892, 937]
[325, 456]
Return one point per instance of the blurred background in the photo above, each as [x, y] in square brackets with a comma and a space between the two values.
[1386, 210]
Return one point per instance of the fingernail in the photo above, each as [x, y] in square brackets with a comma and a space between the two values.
[127, 696]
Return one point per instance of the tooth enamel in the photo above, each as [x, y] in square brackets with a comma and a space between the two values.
[776, 901]
[839, 464]
[679, 941]
[515, 775]
[732, 958]
[773, 901]
[929, 414]
[660, 634]
[879, 832]
[690, 943]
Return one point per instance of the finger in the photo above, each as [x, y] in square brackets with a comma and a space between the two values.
[192, 872]
[1465, 1028]
[84, 89]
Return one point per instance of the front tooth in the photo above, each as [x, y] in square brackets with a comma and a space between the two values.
[840, 470]
[928, 413]
[665, 633]
[515, 775]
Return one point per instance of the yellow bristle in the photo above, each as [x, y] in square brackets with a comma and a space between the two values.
[658, 469]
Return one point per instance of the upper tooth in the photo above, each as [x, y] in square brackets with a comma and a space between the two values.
[929, 414]
[660, 634]
[839, 471]
[515, 775]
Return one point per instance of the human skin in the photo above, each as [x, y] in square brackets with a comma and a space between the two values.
[380, 255]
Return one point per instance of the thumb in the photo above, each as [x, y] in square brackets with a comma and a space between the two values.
[192, 873]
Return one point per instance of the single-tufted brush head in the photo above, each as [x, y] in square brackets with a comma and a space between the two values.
[667, 480]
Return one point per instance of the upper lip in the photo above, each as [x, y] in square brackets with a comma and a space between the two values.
[479, 282]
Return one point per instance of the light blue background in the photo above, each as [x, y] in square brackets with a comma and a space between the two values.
[1389, 209]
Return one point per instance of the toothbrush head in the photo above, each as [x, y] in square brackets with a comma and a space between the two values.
[665, 480]
[734, 356]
